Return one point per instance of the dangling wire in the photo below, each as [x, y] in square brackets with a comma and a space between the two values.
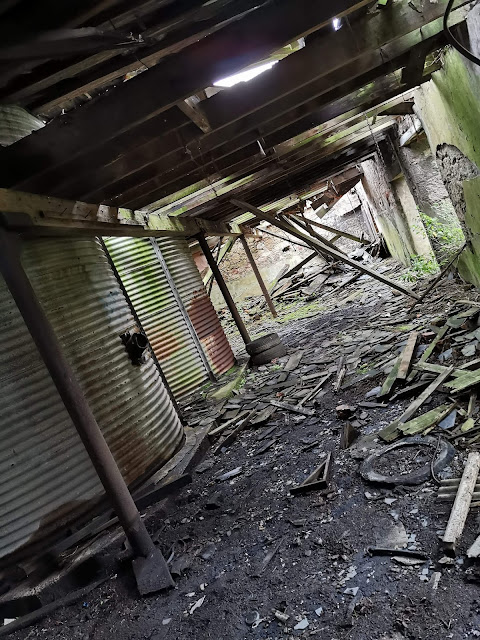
[373, 136]
[453, 41]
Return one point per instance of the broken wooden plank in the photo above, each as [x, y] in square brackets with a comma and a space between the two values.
[348, 436]
[297, 267]
[292, 407]
[339, 232]
[230, 439]
[437, 368]
[461, 506]
[472, 401]
[269, 557]
[294, 361]
[393, 551]
[313, 394]
[407, 355]
[429, 350]
[390, 380]
[426, 420]
[406, 391]
[218, 430]
[320, 246]
[392, 431]
[464, 382]
[417, 403]
[318, 479]
[341, 371]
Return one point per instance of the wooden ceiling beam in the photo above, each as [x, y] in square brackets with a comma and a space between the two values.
[313, 165]
[144, 167]
[154, 91]
[283, 158]
[36, 215]
[161, 160]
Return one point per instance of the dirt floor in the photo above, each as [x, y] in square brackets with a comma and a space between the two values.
[238, 513]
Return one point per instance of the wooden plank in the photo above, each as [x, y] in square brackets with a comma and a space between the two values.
[463, 382]
[343, 234]
[43, 215]
[407, 355]
[158, 155]
[461, 506]
[429, 350]
[316, 244]
[231, 437]
[390, 379]
[193, 110]
[417, 403]
[292, 407]
[223, 427]
[318, 479]
[438, 368]
[426, 420]
[224, 251]
[390, 432]
[292, 79]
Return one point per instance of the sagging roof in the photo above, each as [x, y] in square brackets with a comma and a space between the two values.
[135, 120]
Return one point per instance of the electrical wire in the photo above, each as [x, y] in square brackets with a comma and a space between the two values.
[453, 41]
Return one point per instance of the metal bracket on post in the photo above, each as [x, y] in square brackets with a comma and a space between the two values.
[150, 567]
[182, 308]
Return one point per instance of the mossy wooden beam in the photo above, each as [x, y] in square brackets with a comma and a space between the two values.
[32, 214]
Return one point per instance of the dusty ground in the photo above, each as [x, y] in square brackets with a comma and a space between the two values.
[221, 531]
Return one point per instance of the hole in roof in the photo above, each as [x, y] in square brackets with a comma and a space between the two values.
[245, 76]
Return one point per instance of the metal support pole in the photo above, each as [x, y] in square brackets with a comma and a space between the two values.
[258, 275]
[223, 287]
[83, 419]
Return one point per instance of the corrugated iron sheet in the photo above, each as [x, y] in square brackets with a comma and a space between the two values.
[46, 477]
[155, 304]
[16, 123]
[204, 318]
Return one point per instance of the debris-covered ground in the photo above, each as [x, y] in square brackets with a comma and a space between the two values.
[356, 559]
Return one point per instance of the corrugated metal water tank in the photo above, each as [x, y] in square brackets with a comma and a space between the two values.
[154, 301]
[183, 269]
[46, 477]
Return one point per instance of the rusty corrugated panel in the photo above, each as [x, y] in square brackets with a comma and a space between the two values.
[204, 318]
[46, 477]
[155, 304]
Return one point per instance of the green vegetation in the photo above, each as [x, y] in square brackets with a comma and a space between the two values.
[365, 367]
[420, 266]
[298, 313]
[445, 238]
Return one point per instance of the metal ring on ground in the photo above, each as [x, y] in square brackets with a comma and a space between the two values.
[444, 456]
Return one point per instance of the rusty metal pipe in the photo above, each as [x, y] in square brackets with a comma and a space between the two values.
[72, 395]
[223, 287]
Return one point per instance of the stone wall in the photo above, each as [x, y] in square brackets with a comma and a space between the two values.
[385, 191]
[449, 108]
[425, 180]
